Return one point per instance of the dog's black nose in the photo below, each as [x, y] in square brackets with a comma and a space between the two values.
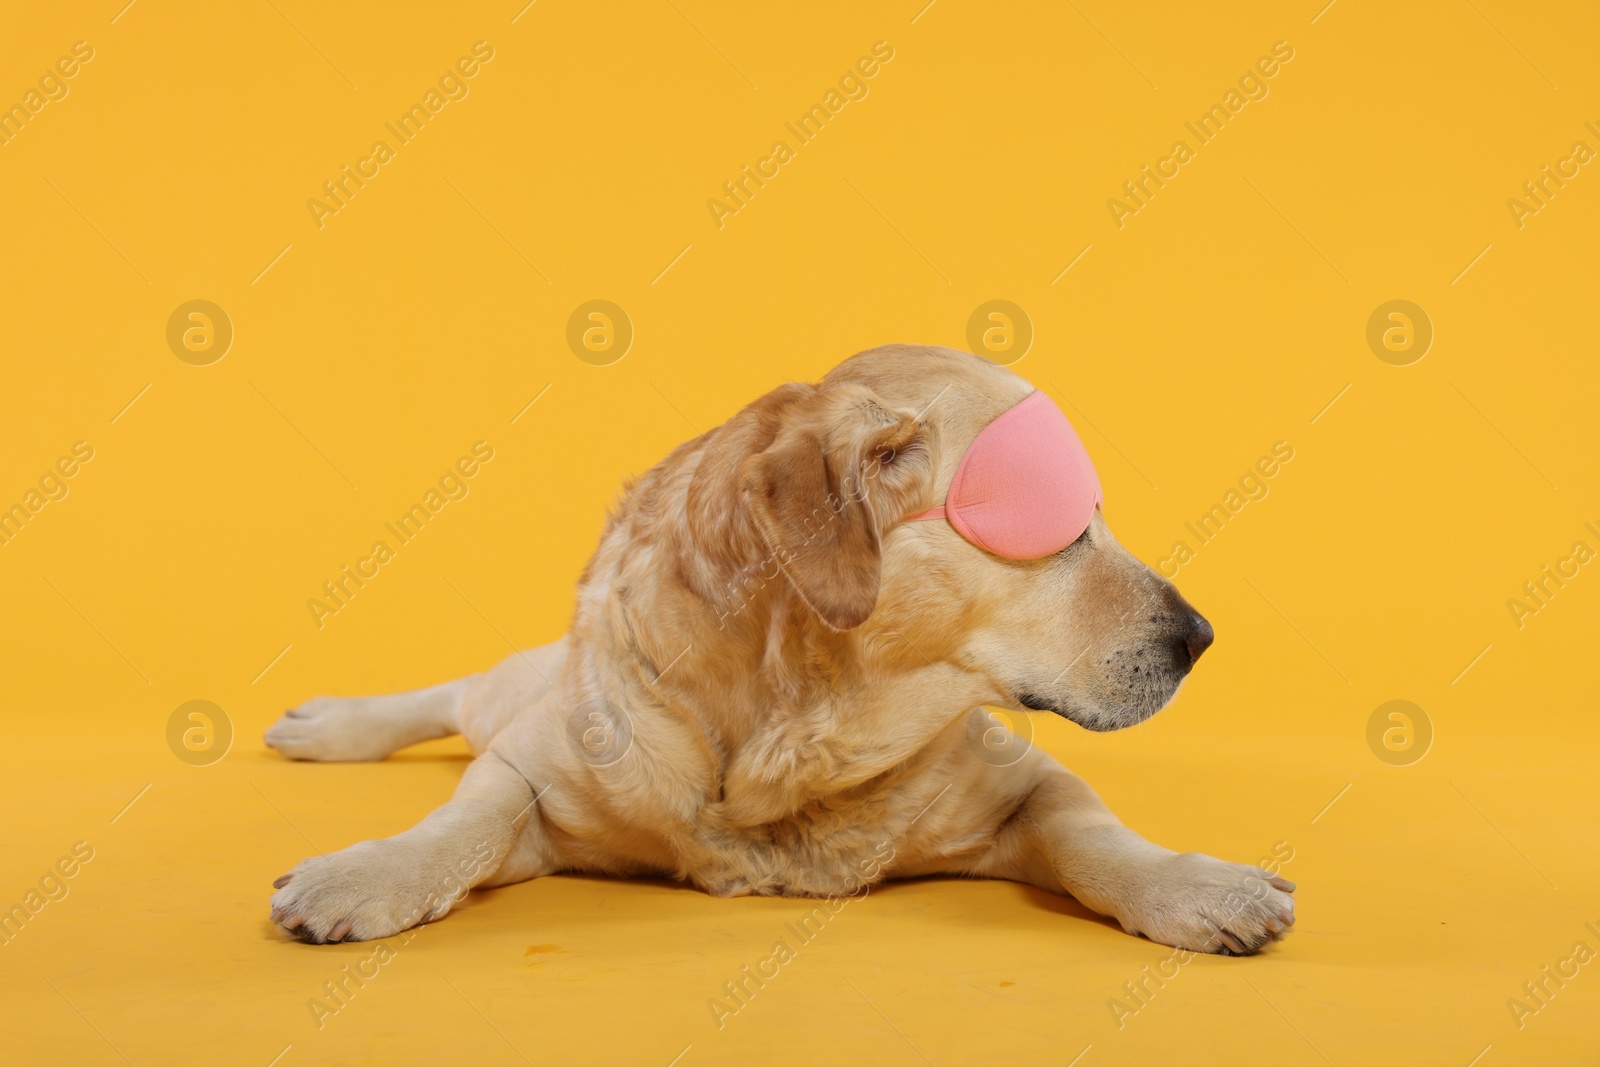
[1199, 637]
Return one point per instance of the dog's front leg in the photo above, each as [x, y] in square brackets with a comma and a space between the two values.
[378, 888]
[1064, 838]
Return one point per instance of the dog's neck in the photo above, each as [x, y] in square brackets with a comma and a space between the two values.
[799, 711]
[810, 712]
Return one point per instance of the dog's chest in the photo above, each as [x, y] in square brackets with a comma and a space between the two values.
[824, 849]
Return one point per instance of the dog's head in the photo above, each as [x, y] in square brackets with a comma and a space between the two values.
[1088, 632]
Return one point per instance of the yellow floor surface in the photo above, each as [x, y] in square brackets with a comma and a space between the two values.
[1376, 252]
[1425, 901]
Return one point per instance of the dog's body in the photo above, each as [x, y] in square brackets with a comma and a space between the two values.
[774, 685]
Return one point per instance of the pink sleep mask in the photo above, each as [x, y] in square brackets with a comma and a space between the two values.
[1025, 487]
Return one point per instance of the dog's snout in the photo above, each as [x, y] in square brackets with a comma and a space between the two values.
[1199, 636]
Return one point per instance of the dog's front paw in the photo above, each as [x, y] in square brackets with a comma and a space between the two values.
[1203, 904]
[336, 729]
[367, 891]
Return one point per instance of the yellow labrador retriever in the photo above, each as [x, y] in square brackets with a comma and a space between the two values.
[758, 700]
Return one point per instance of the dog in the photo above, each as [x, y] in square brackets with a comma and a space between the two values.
[776, 676]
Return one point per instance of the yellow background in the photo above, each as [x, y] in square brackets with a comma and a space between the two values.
[1222, 318]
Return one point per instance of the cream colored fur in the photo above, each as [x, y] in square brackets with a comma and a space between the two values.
[773, 685]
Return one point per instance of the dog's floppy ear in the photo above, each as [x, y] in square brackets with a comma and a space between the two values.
[842, 469]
